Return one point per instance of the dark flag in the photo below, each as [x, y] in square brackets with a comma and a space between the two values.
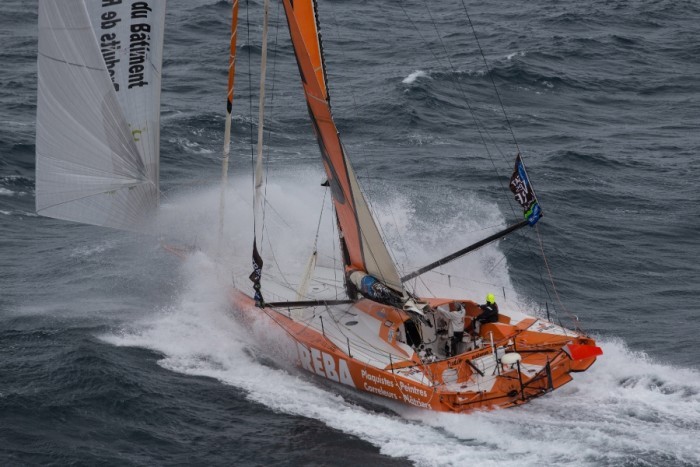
[524, 194]
[256, 275]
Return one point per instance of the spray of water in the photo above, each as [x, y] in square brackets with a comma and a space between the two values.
[627, 409]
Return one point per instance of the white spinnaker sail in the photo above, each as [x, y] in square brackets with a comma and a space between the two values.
[98, 110]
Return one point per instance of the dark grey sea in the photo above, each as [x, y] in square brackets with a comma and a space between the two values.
[112, 352]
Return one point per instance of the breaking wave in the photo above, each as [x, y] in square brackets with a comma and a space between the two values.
[410, 79]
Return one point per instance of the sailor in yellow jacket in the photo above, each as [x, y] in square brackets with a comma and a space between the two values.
[489, 313]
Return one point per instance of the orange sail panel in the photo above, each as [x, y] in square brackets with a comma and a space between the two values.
[365, 246]
[305, 15]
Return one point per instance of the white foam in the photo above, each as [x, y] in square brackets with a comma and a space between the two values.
[191, 147]
[85, 251]
[625, 404]
[626, 408]
[410, 79]
[8, 192]
[199, 336]
[514, 54]
[292, 219]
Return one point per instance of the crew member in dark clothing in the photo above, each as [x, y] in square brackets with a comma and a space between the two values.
[489, 312]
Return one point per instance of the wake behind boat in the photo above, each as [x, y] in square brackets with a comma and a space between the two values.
[363, 326]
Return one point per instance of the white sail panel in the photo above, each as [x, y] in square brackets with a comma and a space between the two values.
[378, 261]
[97, 142]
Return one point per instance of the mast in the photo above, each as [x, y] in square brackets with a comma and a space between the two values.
[229, 107]
[360, 236]
[261, 116]
[258, 194]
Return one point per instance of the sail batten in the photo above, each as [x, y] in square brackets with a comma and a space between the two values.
[366, 249]
[98, 117]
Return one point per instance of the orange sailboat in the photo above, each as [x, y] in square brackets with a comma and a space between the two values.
[434, 353]
[97, 162]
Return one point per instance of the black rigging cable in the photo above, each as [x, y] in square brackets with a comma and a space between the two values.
[269, 129]
[250, 96]
[500, 101]
[510, 128]
[493, 82]
[360, 148]
[459, 87]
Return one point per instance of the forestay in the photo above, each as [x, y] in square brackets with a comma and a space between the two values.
[98, 110]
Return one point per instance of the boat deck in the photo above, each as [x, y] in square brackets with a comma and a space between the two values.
[358, 334]
[354, 332]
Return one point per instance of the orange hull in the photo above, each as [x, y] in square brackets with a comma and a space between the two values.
[475, 379]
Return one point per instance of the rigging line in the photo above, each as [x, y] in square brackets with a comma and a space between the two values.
[402, 241]
[287, 331]
[461, 89]
[425, 285]
[195, 182]
[250, 96]
[472, 231]
[276, 263]
[286, 283]
[370, 206]
[379, 228]
[320, 217]
[496, 92]
[357, 339]
[333, 220]
[495, 88]
[307, 323]
[97, 193]
[469, 279]
[365, 169]
[279, 282]
[458, 85]
[348, 195]
[276, 212]
[551, 278]
[269, 129]
[303, 287]
[544, 283]
[325, 256]
[466, 101]
[517, 242]
[258, 169]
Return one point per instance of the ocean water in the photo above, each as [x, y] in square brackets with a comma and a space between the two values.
[114, 352]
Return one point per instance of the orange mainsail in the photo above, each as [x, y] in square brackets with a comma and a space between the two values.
[366, 249]
[305, 16]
